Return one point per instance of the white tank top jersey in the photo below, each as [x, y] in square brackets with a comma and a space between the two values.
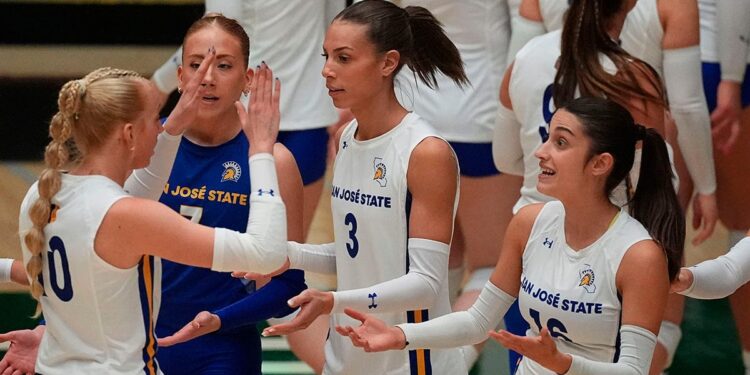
[480, 30]
[553, 13]
[642, 34]
[294, 55]
[99, 317]
[573, 293]
[370, 204]
[709, 31]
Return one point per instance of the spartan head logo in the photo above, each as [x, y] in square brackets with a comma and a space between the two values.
[232, 171]
[380, 170]
[586, 276]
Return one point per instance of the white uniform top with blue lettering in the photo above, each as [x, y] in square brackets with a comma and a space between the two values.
[642, 34]
[480, 30]
[370, 206]
[99, 317]
[573, 293]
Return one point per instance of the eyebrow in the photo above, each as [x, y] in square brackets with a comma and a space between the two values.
[222, 56]
[339, 49]
[560, 128]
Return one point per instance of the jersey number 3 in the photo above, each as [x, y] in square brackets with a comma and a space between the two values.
[353, 247]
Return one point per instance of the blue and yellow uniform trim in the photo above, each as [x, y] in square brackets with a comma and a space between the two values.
[146, 289]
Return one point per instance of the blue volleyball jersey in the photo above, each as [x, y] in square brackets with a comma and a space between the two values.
[210, 186]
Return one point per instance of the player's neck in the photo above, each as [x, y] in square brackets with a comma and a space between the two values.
[378, 115]
[214, 131]
[586, 220]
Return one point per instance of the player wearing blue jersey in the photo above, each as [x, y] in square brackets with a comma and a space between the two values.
[210, 184]
[590, 280]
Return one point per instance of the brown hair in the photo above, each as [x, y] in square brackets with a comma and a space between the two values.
[611, 129]
[227, 24]
[412, 31]
[584, 38]
[87, 109]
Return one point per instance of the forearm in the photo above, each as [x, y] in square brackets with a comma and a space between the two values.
[636, 350]
[149, 182]
[268, 302]
[313, 258]
[263, 248]
[418, 289]
[682, 72]
[720, 277]
[462, 327]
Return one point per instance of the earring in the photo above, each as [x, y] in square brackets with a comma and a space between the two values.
[179, 90]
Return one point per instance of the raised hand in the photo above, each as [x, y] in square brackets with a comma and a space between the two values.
[185, 111]
[21, 355]
[682, 282]
[203, 323]
[373, 335]
[312, 303]
[541, 349]
[261, 119]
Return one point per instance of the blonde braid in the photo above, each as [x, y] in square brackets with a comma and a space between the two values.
[55, 156]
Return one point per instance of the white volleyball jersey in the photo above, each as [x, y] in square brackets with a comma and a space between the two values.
[370, 204]
[573, 293]
[99, 317]
[642, 34]
[480, 30]
[288, 36]
[553, 13]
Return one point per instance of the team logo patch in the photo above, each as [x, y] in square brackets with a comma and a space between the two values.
[232, 171]
[587, 278]
[380, 170]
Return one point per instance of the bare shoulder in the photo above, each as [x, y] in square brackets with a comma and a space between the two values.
[645, 261]
[530, 10]
[524, 219]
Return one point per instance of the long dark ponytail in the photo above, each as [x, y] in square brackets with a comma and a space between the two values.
[412, 31]
[584, 38]
[611, 129]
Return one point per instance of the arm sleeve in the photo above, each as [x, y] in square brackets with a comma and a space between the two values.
[313, 258]
[506, 142]
[720, 277]
[263, 248]
[461, 327]
[636, 349]
[268, 302]
[149, 182]
[734, 35]
[428, 268]
[522, 30]
[682, 75]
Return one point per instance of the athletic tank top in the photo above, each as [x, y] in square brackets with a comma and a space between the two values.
[642, 34]
[99, 317]
[480, 30]
[553, 13]
[573, 293]
[370, 205]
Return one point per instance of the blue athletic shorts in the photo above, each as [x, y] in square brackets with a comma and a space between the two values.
[309, 148]
[475, 159]
[711, 79]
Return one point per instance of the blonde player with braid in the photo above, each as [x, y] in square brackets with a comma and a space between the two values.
[88, 245]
